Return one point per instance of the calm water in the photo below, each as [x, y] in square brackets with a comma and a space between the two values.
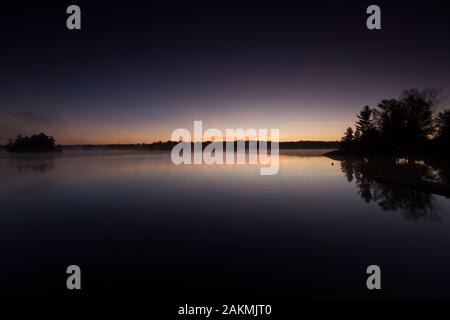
[139, 226]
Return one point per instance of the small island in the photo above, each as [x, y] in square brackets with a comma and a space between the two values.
[36, 143]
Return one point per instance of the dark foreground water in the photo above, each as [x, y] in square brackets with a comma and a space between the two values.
[141, 227]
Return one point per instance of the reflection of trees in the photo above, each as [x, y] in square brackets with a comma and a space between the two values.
[441, 167]
[38, 164]
[370, 179]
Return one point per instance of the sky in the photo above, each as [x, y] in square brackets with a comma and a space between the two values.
[137, 70]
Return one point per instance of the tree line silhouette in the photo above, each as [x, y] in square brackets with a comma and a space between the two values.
[410, 125]
[44, 143]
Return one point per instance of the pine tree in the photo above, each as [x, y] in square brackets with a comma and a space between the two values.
[348, 136]
[364, 123]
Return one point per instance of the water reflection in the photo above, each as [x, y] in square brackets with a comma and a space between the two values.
[38, 164]
[133, 216]
[441, 167]
[408, 186]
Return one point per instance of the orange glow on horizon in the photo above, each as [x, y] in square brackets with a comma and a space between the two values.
[90, 134]
[103, 140]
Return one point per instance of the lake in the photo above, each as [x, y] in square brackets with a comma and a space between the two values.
[141, 227]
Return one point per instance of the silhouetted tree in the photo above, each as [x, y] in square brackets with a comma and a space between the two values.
[35, 143]
[368, 133]
[357, 136]
[347, 140]
[364, 123]
[443, 126]
[390, 122]
[397, 126]
[348, 136]
[419, 107]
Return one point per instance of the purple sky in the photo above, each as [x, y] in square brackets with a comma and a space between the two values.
[134, 73]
